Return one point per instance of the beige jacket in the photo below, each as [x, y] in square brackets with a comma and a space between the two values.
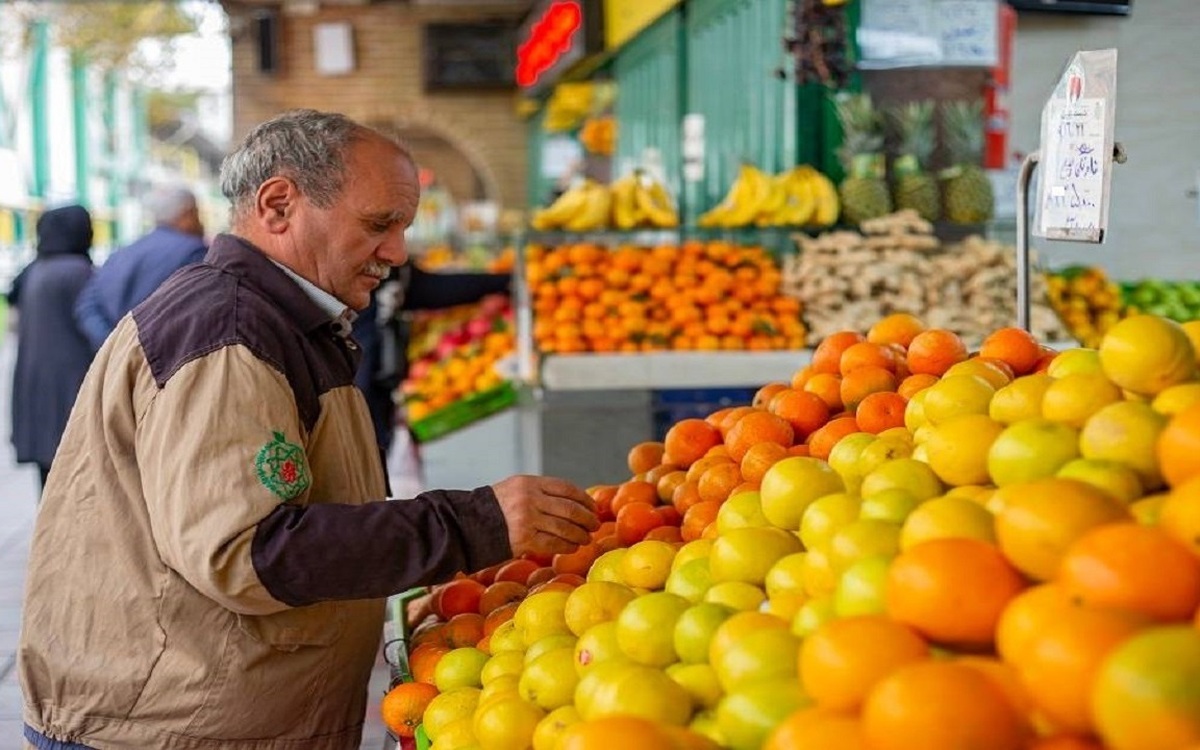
[208, 567]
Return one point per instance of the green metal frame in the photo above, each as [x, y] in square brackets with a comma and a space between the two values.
[649, 71]
[40, 106]
[79, 116]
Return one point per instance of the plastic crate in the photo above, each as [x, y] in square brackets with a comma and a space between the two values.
[462, 413]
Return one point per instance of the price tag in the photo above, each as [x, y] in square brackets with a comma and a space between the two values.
[1075, 170]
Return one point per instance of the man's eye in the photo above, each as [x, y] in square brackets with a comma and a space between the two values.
[379, 227]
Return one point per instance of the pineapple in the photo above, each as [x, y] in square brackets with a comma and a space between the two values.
[967, 192]
[913, 187]
[864, 193]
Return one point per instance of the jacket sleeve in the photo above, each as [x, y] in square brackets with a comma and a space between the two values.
[430, 291]
[228, 481]
[89, 314]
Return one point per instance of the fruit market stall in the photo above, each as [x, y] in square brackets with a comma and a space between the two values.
[902, 545]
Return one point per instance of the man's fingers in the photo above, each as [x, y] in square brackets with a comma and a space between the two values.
[563, 488]
[551, 544]
[565, 530]
[570, 511]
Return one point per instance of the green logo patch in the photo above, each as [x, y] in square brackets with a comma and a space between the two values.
[282, 467]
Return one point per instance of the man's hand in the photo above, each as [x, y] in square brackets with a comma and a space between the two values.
[544, 515]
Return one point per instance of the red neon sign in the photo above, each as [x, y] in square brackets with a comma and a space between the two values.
[549, 39]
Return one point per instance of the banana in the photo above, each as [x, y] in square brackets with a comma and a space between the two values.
[595, 211]
[654, 203]
[752, 188]
[825, 193]
[624, 202]
[741, 202]
[769, 213]
[801, 202]
[563, 208]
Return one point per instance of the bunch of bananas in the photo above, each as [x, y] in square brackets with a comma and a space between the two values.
[801, 196]
[634, 201]
[639, 200]
[585, 207]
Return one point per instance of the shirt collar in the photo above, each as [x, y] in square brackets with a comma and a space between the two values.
[341, 315]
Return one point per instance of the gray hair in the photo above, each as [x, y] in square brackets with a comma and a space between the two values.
[306, 146]
[166, 205]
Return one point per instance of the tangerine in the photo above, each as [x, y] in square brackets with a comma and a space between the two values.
[1014, 346]
[688, 440]
[404, 705]
[1138, 568]
[933, 351]
[952, 591]
[844, 659]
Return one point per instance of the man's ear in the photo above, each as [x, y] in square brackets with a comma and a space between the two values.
[275, 203]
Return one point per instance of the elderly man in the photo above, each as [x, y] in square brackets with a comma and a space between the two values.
[209, 565]
[133, 272]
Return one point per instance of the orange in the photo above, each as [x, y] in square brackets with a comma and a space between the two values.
[718, 480]
[636, 520]
[817, 728]
[1016, 347]
[499, 594]
[634, 491]
[880, 411]
[759, 458]
[730, 418]
[827, 356]
[759, 426]
[827, 387]
[1027, 615]
[1134, 567]
[714, 457]
[686, 494]
[801, 377]
[1066, 742]
[934, 351]
[844, 659]
[645, 456]
[498, 617]
[576, 562]
[423, 661]
[403, 706]
[1042, 518]
[626, 732]
[1061, 661]
[862, 382]
[688, 440]
[668, 483]
[864, 354]
[1006, 679]
[804, 411]
[463, 630]
[821, 442]
[1179, 445]
[914, 384]
[897, 328]
[952, 591]
[1179, 514]
[697, 518]
[516, 570]
[937, 705]
[1147, 694]
[763, 395]
[456, 598]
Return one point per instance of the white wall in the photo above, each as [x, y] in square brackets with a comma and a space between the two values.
[1154, 227]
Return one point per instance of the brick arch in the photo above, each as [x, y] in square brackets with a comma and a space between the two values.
[429, 124]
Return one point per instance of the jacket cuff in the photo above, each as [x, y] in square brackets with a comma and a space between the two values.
[484, 530]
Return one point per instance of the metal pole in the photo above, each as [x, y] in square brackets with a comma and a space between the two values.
[1024, 177]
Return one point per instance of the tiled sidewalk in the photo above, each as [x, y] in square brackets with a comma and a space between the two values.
[18, 505]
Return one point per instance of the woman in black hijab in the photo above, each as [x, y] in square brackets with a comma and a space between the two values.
[52, 353]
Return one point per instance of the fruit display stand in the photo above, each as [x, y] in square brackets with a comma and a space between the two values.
[993, 550]
[578, 406]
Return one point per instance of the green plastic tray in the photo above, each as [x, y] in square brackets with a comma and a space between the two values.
[462, 413]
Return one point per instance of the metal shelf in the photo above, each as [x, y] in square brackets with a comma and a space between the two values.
[665, 370]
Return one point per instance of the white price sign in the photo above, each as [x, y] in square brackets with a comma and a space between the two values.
[1075, 168]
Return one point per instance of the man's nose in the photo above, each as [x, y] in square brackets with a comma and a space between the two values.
[394, 249]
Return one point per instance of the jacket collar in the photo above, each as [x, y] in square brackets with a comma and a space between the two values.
[239, 257]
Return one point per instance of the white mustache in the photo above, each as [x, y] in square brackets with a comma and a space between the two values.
[377, 269]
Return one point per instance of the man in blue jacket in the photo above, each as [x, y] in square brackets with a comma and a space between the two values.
[133, 272]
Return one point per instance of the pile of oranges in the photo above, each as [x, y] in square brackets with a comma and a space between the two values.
[695, 296]
[908, 546]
